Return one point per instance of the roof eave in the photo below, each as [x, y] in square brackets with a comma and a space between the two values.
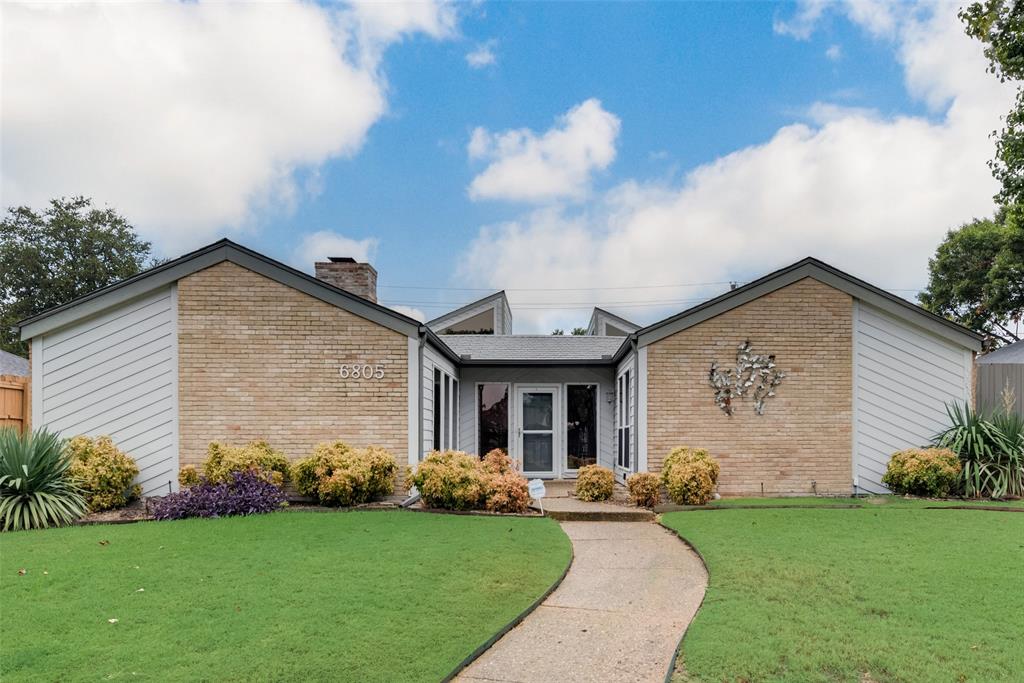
[167, 273]
[818, 270]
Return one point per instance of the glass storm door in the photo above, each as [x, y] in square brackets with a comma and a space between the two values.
[537, 408]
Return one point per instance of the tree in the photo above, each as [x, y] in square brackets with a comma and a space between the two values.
[999, 24]
[976, 277]
[579, 331]
[50, 258]
[557, 332]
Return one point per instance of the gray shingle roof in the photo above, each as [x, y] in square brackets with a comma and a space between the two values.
[1012, 354]
[13, 365]
[533, 348]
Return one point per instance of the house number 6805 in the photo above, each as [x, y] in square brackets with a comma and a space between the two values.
[356, 371]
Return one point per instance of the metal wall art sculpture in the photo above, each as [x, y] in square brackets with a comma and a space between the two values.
[754, 374]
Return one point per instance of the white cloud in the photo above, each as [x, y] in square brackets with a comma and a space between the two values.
[802, 24]
[834, 53]
[321, 245]
[871, 194]
[483, 55]
[191, 117]
[525, 166]
[414, 313]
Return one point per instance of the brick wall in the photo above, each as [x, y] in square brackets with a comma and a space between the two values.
[806, 432]
[260, 360]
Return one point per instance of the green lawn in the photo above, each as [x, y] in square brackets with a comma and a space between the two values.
[362, 596]
[886, 592]
[865, 501]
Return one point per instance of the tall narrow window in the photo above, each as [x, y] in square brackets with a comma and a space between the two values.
[446, 412]
[455, 413]
[492, 417]
[581, 425]
[623, 416]
[437, 409]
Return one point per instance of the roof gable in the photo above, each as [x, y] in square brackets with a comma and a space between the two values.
[497, 302]
[818, 270]
[222, 250]
[600, 315]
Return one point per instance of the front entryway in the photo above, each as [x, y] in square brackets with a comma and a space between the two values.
[537, 438]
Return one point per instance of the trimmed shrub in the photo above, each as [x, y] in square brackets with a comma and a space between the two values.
[104, 472]
[507, 492]
[932, 472]
[244, 493]
[594, 483]
[223, 460]
[451, 480]
[690, 476]
[188, 476]
[36, 486]
[336, 474]
[644, 489]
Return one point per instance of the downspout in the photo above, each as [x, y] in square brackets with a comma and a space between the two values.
[635, 424]
[419, 383]
[414, 495]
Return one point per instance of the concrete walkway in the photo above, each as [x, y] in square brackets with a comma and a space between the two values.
[618, 615]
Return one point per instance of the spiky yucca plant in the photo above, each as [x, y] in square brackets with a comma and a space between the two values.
[36, 488]
[991, 449]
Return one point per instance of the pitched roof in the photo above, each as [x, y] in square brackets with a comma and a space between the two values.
[620, 322]
[13, 365]
[532, 349]
[452, 317]
[1011, 354]
[813, 268]
[212, 254]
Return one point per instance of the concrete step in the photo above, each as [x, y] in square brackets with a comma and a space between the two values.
[621, 515]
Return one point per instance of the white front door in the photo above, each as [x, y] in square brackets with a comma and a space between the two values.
[537, 441]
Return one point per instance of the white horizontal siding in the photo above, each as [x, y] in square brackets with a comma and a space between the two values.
[432, 359]
[903, 378]
[115, 374]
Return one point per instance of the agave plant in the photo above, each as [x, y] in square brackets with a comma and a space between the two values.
[36, 488]
[991, 448]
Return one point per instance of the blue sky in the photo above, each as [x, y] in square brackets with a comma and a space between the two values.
[742, 136]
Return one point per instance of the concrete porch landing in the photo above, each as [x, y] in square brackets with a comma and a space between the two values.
[560, 504]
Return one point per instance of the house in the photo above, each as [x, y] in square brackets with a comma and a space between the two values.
[11, 364]
[1001, 379]
[227, 344]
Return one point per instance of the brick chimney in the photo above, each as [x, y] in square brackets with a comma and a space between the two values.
[344, 272]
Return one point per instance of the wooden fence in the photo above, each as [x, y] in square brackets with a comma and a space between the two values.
[15, 402]
[993, 380]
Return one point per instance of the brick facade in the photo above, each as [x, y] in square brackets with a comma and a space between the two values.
[260, 360]
[806, 431]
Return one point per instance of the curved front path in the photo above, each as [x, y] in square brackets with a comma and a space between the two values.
[618, 616]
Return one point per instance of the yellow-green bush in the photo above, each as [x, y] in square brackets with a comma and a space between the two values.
[336, 474]
[451, 480]
[188, 476]
[594, 482]
[932, 472]
[690, 476]
[104, 472]
[222, 460]
[644, 489]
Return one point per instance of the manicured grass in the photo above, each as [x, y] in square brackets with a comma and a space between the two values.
[865, 501]
[887, 592]
[360, 596]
